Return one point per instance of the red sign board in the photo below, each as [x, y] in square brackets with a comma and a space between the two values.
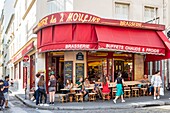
[26, 58]
[80, 17]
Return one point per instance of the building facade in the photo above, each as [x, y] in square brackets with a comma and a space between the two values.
[23, 42]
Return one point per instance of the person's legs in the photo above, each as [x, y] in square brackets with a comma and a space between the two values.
[6, 96]
[40, 96]
[37, 96]
[2, 101]
[50, 97]
[158, 92]
[45, 96]
[150, 90]
[34, 95]
[155, 88]
[53, 96]
[115, 99]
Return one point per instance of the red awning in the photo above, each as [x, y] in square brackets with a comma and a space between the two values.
[167, 50]
[67, 37]
[129, 40]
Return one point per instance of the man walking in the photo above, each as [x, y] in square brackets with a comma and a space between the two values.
[6, 94]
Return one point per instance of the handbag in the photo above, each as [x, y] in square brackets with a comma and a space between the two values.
[162, 91]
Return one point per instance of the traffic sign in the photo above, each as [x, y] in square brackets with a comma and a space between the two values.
[25, 64]
[26, 58]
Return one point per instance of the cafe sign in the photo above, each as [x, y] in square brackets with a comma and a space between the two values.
[80, 17]
[67, 17]
[136, 49]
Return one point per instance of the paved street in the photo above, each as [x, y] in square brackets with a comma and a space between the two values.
[17, 106]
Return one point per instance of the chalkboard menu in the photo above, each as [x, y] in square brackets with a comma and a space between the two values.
[79, 71]
[68, 70]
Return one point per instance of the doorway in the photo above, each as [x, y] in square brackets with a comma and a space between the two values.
[56, 66]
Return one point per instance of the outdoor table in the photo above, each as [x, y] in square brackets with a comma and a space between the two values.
[65, 90]
[89, 88]
[76, 89]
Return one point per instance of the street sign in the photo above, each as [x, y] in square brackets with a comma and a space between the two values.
[25, 64]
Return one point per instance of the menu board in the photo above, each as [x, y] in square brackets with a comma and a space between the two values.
[79, 71]
[68, 70]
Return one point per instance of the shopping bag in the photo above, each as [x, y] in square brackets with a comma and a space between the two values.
[161, 91]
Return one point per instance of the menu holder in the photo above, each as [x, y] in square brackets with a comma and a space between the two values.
[68, 70]
[79, 71]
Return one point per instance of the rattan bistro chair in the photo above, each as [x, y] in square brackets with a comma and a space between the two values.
[127, 92]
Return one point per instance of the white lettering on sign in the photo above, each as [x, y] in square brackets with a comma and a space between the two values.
[150, 50]
[117, 47]
[133, 49]
[129, 48]
[77, 46]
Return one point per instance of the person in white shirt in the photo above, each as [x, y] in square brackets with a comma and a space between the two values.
[156, 81]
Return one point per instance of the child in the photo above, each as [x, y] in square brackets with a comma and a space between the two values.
[2, 98]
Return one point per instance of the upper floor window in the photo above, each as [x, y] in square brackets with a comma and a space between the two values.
[150, 14]
[59, 5]
[122, 11]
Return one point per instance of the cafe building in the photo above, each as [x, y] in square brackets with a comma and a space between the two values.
[77, 44]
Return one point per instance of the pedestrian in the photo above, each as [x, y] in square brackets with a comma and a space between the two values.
[156, 81]
[5, 91]
[119, 87]
[2, 98]
[52, 89]
[36, 88]
[42, 90]
[12, 82]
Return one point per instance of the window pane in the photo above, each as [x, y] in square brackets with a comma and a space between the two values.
[150, 13]
[60, 5]
[121, 11]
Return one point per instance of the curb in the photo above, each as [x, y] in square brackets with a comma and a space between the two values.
[130, 105]
[125, 106]
[26, 102]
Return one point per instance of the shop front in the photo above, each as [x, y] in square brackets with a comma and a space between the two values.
[78, 45]
[24, 66]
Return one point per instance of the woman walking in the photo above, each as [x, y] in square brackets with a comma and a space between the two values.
[119, 86]
[52, 89]
[156, 81]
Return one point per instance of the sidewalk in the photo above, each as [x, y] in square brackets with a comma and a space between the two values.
[133, 102]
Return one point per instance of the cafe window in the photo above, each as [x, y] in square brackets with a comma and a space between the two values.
[122, 11]
[150, 14]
